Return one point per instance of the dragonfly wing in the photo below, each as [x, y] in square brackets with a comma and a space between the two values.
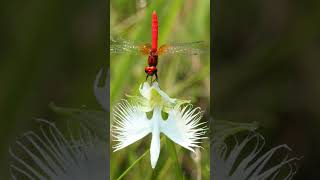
[190, 48]
[118, 45]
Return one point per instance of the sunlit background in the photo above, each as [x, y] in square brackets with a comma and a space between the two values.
[181, 76]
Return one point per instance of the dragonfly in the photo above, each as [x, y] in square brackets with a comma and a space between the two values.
[152, 51]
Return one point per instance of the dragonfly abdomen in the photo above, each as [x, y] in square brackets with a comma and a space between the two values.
[154, 27]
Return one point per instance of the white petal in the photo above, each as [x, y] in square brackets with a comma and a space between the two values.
[183, 127]
[145, 90]
[131, 124]
[155, 141]
[164, 95]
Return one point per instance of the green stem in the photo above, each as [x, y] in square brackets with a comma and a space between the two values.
[135, 162]
[175, 159]
[131, 166]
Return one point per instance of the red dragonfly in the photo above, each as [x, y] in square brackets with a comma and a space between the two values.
[152, 50]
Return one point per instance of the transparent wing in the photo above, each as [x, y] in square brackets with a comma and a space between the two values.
[189, 48]
[119, 45]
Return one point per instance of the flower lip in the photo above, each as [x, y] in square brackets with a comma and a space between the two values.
[154, 96]
[147, 91]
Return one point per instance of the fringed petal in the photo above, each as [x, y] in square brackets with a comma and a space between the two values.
[130, 124]
[184, 127]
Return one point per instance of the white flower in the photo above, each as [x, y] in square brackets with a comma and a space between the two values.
[131, 123]
[52, 155]
[153, 96]
[247, 160]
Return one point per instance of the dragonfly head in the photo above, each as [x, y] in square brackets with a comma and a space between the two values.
[150, 70]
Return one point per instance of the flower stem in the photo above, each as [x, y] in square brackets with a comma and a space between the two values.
[131, 166]
[134, 163]
[175, 159]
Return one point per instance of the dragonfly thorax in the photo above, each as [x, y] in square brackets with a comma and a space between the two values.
[151, 69]
[153, 59]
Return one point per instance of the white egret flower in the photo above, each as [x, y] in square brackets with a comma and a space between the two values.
[52, 155]
[132, 124]
[238, 162]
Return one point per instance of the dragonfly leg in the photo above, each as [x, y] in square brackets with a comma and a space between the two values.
[156, 77]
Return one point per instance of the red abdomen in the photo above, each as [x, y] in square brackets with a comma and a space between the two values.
[154, 27]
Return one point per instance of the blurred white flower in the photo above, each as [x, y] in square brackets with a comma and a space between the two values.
[102, 93]
[131, 123]
[52, 155]
[247, 160]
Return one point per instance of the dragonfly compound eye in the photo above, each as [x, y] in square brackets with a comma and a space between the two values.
[153, 68]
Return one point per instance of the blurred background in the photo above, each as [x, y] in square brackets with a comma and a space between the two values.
[266, 69]
[50, 51]
[180, 76]
[265, 64]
